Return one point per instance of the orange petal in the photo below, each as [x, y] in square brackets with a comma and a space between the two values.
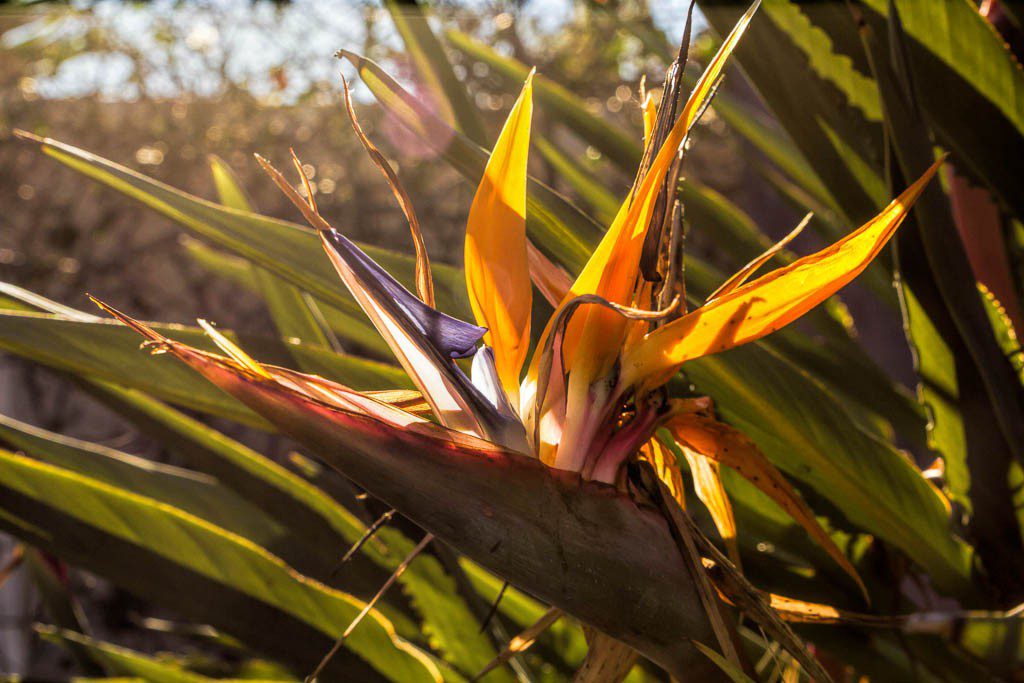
[707, 482]
[497, 267]
[663, 461]
[612, 269]
[721, 443]
[769, 302]
[650, 113]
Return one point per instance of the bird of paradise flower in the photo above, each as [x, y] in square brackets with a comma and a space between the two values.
[593, 396]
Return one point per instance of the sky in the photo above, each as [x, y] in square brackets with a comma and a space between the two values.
[249, 38]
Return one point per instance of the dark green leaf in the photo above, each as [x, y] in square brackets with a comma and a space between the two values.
[803, 429]
[164, 553]
[934, 265]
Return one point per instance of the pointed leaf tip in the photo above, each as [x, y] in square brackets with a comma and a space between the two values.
[770, 302]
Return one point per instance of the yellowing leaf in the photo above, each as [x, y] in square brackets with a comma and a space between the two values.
[497, 266]
[721, 443]
[799, 611]
[769, 302]
[663, 461]
[707, 482]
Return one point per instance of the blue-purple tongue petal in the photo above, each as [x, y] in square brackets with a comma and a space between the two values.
[425, 341]
[451, 336]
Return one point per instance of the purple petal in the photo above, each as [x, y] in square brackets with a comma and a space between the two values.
[425, 341]
[451, 336]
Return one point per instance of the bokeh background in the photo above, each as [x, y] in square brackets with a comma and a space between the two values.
[161, 86]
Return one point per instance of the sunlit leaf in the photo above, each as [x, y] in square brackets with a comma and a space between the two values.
[557, 227]
[105, 351]
[289, 250]
[75, 508]
[428, 54]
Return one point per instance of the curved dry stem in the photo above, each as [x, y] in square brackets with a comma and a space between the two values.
[424, 279]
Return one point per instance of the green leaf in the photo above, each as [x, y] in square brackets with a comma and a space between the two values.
[770, 57]
[315, 520]
[557, 227]
[935, 267]
[774, 144]
[293, 311]
[567, 107]
[308, 512]
[198, 494]
[867, 177]
[452, 628]
[286, 249]
[157, 550]
[106, 350]
[427, 53]
[594, 192]
[805, 432]
[965, 75]
[120, 661]
[953, 50]
[816, 44]
[351, 326]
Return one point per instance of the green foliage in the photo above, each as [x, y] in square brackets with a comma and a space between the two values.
[247, 545]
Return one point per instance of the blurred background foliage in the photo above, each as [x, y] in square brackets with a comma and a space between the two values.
[161, 86]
